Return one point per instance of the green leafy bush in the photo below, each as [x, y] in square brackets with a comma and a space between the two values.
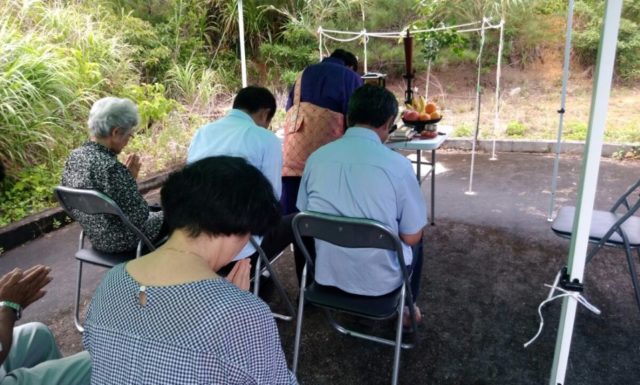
[152, 104]
[516, 129]
[194, 85]
[574, 130]
[587, 36]
[632, 153]
[628, 133]
[464, 130]
[29, 191]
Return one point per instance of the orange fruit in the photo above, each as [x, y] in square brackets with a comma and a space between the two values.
[424, 117]
[435, 115]
[430, 108]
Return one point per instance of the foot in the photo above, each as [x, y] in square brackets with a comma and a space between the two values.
[406, 318]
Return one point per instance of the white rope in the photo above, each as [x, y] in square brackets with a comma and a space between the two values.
[344, 40]
[400, 34]
[342, 32]
[394, 37]
[485, 26]
[380, 34]
[565, 293]
[383, 34]
[445, 27]
[496, 121]
[477, 29]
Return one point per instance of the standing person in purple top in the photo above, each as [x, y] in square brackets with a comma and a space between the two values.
[316, 112]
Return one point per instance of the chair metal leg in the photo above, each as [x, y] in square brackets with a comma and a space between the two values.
[552, 290]
[634, 274]
[296, 345]
[262, 258]
[76, 316]
[396, 354]
[257, 274]
[352, 333]
[281, 290]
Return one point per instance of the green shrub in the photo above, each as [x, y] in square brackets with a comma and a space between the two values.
[516, 129]
[632, 153]
[464, 130]
[629, 133]
[574, 130]
[152, 105]
[587, 36]
[31, 190]
[56, 61]
[194, 85]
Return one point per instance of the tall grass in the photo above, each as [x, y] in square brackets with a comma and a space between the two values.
[56, 60]
[195, 86]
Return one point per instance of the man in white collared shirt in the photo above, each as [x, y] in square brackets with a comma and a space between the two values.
[358, 176]
[244, 133]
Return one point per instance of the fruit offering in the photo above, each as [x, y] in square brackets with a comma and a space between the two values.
[421, 110]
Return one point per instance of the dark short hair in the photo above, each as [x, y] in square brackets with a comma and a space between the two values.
[371, 105]
[347, 57]
[220, 195]
[254, 98]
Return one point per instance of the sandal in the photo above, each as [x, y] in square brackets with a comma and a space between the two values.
[406, 317]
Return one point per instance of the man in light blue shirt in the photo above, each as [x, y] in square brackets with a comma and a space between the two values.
[244, 133]
[358, 176]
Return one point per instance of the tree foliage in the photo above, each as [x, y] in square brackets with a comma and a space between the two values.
[589, 25]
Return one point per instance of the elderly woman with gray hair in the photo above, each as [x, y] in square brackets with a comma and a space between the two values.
[95, 165]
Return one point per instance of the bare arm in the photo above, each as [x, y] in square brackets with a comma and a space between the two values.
[411, 239]
[23, 288]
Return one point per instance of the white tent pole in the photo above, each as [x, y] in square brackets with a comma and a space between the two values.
[320, 42]
[366, 39]
[589, 179]
[496, 122]
[243, 59]
[475, 137]
[426, 85]
[563, 98]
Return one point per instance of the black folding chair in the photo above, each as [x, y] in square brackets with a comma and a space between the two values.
[619, 227]
[94, 202]
[262, 259]
[353, 233]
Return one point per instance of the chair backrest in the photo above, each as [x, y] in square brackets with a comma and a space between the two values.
[629, 202]
[94, 202]
[347, 232]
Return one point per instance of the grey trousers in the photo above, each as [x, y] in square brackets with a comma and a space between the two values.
[35, 359]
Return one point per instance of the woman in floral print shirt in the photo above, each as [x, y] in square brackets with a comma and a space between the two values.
[95, 165]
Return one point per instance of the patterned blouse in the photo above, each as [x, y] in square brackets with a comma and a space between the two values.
[93, 166]
[203, 332]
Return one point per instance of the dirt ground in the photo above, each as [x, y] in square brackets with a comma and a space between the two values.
[481, 286]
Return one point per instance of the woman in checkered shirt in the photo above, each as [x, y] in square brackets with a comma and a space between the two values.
[168, 318]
